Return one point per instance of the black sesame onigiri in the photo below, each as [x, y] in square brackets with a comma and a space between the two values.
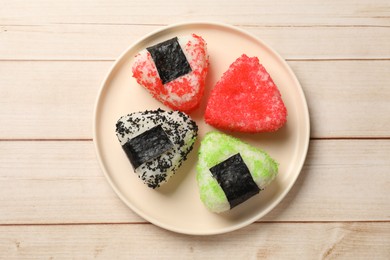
[156, 143]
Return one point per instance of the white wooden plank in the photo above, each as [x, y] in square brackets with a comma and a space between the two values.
[346, 98]
[238, 12]
[107, 42]
[59, 97]
[341, 180]
[258, 241]
[49, 100]
[60, 182]
[55, 182]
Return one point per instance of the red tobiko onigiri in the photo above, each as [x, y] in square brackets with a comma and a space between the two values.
[246, 99]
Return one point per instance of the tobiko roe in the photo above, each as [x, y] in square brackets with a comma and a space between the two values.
[246, 99]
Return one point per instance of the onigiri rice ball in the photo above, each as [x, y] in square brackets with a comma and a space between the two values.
[229, 171]
[156, 143]
[246, 99]
[174, 71]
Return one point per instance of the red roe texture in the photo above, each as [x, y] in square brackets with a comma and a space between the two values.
[184, 93]
[246, 99]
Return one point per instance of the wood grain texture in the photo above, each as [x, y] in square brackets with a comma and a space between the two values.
[258, 241]
[56, 182]
[55, 203]
[301, 12]
[107, 42]
[49, 100]
[59, 97]
[346, 98]
[60, 182]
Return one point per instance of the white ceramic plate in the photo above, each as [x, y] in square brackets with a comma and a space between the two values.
[176, 206]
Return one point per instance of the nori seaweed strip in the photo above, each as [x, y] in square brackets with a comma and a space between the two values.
[147, 146]
[235, 180]
[169, 59]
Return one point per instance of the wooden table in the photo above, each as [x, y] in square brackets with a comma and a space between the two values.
[56, 203]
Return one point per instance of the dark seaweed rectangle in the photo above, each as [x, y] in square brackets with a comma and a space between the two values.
[147, 146]
[169, 59]
[235, 179]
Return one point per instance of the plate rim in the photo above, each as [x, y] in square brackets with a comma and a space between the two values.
[155, 221]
